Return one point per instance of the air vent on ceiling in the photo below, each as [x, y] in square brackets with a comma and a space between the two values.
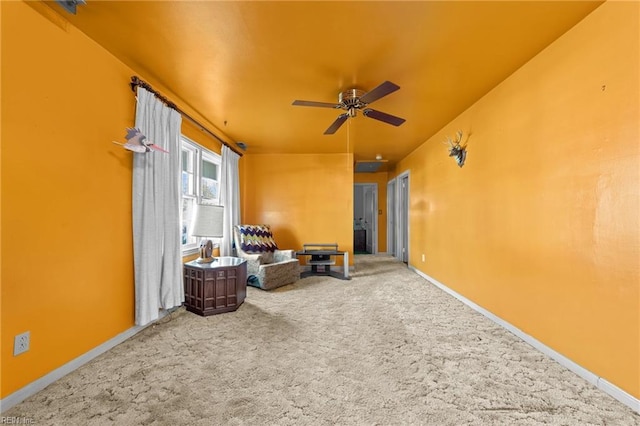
[369, 166]
[70, 5]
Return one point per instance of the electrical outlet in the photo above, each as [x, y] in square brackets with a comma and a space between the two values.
[423, 257]
[21, 343]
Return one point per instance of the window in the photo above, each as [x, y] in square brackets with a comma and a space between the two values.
[200, 185]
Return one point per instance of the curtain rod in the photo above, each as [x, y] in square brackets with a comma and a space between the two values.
[135, 82]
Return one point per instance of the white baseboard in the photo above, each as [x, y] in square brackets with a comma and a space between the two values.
[599, 382]
[619, 394]
[44, 381]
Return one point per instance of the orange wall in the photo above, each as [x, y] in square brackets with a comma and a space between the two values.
[541, 226]
[381, 179]
[66, 244]
[306, 198]
[66, 195]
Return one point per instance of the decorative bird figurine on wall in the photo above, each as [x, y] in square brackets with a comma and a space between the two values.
[137, 142]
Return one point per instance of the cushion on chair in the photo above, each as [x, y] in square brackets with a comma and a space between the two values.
[257, 239]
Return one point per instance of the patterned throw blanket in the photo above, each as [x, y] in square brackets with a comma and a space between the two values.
[256, 239]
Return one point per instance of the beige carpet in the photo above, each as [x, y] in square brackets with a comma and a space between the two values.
[385, 348]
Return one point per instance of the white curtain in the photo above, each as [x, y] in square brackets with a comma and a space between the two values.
[156, 211]
[229, 198]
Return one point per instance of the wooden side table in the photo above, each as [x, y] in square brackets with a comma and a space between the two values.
[216, 287]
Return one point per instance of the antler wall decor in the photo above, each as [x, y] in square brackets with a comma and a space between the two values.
[459, 152]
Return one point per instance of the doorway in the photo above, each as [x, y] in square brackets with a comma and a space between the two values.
[365, 219]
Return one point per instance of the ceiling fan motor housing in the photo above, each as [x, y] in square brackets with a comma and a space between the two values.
[351, 99]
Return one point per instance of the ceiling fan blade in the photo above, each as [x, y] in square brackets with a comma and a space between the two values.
[316, 104]
[383, 116]
[382, 90]
[336, 124]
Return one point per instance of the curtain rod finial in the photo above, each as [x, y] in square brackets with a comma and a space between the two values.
[134, 82]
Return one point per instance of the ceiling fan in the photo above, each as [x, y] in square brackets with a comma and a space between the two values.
[353, 100]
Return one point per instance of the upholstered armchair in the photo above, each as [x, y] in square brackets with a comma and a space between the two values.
[272, 267]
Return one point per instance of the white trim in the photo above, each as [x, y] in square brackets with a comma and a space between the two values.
[599, 382]
[189, 252]
[200, 154]
[619, 394]
[44, 381]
